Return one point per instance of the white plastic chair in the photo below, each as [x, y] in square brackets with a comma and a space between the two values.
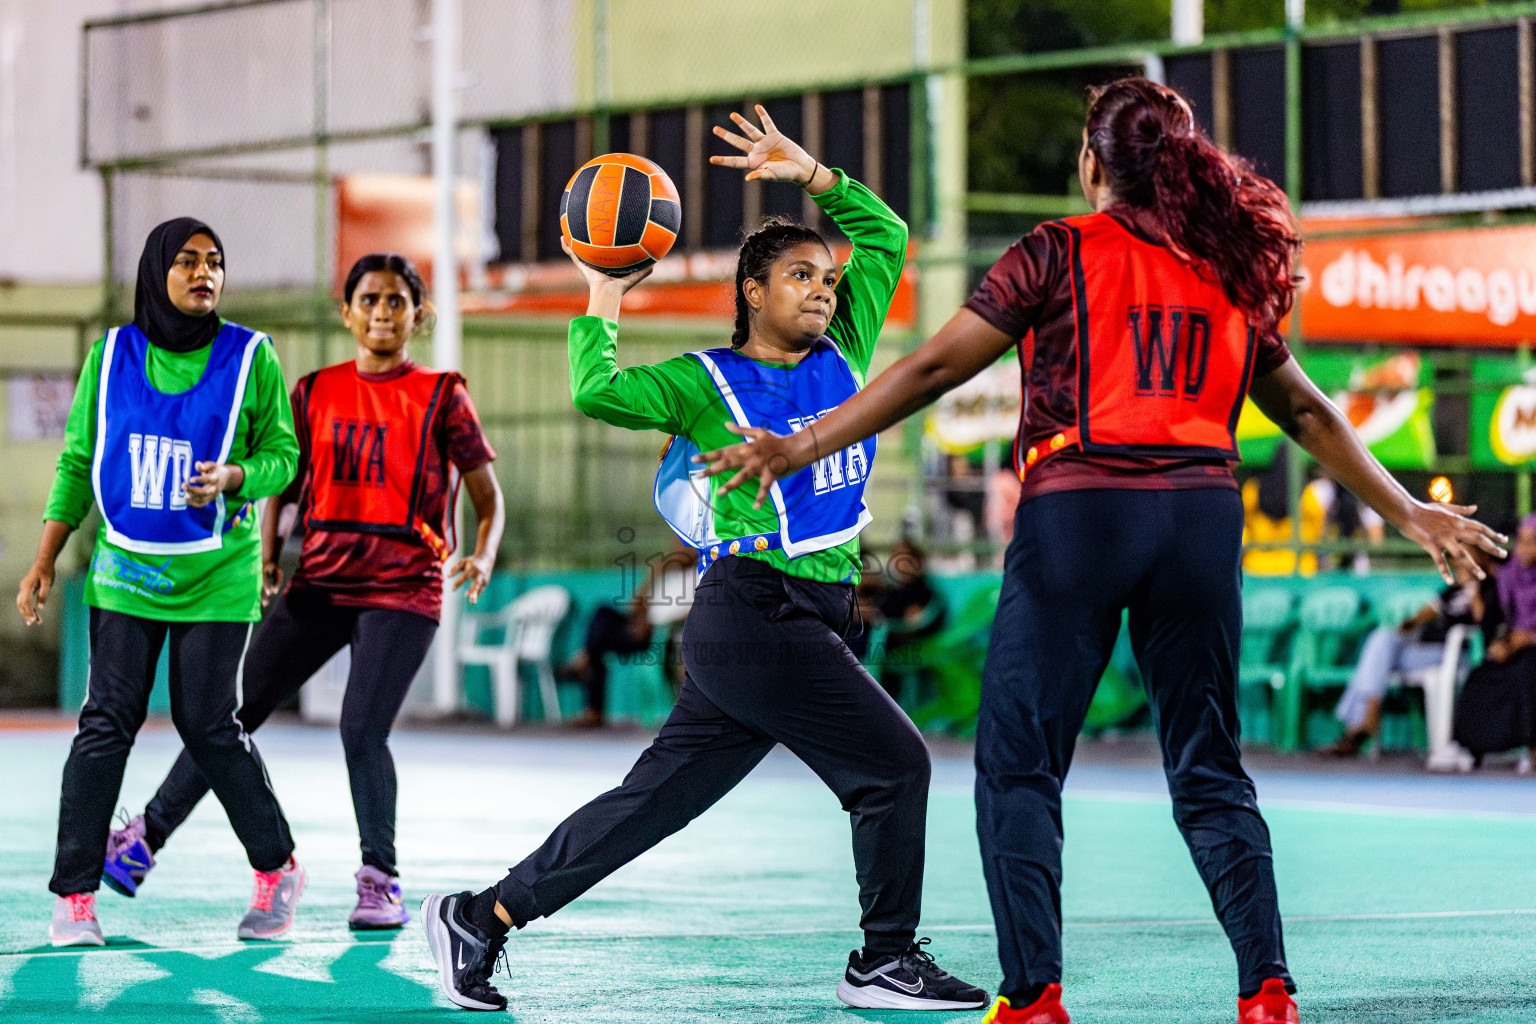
[531, 621]
[1439, 683]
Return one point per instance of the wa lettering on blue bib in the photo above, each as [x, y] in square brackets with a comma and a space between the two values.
[148, 442]
[820, 507]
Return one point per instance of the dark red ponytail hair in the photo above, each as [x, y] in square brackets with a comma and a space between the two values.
[1214, 208]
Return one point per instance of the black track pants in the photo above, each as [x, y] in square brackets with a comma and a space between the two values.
[205, 695]
[1078, 558]
[300, 634]
[766, 664]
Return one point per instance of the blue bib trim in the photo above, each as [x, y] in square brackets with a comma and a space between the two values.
[148, 443]
[818, 508]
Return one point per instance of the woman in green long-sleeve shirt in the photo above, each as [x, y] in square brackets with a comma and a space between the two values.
[764, 642]
[179, 423]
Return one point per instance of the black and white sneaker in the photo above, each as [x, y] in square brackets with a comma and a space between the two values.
[465, 955]
[911, 981]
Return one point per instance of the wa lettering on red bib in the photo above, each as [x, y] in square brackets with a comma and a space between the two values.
[1164, 357]
[368, 446]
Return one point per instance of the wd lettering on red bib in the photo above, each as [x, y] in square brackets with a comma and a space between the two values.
[1163, 356]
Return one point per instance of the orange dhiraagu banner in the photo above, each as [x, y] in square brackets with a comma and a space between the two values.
[1461, 286]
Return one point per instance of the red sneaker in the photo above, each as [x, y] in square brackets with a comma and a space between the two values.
[1273, 1005]
[1045, 1010]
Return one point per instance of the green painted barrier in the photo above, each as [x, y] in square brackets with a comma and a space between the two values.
[955, 659]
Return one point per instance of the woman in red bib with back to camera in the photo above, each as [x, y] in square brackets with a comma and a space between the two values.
[1140, 328]
[379, 437]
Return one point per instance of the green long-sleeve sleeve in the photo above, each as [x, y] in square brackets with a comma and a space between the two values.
[212, 586]
[869, 278]
[678, 397]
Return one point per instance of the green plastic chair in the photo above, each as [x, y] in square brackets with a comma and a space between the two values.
[1264, 663]
[1330, 623]
[1401, 605]
[955, 656]
[1121, 696]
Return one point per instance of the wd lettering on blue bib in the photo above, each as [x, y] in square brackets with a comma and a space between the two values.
[148, 442]
[156, 462]
[819, 508]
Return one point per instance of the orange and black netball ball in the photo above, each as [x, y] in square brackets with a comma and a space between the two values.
[620, 213]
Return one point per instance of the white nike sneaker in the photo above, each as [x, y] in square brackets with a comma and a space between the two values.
[466, 956]
[911, 981]
[273, 903]
[74, 921]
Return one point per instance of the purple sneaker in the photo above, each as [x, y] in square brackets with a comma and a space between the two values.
[379, 906]
[128, 858]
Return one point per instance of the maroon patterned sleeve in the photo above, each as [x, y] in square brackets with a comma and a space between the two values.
[1271, 354]
[466, 442]
[1010, 296]
[295, 488]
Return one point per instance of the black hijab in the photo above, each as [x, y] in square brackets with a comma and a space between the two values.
[153, 313]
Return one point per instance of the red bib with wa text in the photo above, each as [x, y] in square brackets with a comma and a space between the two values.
[368, 443]
[1164, 357]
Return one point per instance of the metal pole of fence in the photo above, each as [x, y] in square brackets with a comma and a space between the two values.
[447, 352]
[1188, 22]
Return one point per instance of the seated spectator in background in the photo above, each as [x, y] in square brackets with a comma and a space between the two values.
[910, 607]
[661, 601]
[1418, 643]
[867, 595]
[910, 604]
[1002, 503]
[1496, 707]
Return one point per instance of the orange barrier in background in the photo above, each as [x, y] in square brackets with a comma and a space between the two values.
[1452, 286]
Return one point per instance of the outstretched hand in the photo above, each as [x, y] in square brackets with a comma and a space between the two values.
[764, 455]
[1446, 532]
[770, 154]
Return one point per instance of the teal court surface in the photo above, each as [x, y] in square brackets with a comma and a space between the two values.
[1408, 898]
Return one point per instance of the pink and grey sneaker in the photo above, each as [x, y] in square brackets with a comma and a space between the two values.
[379, 906]
[74, 921]
[128, 858]
[273, 903]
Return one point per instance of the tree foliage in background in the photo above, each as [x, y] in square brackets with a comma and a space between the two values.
[1036, 26]
[1025, 130]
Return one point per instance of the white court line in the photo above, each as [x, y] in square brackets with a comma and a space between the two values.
[1340, 806]
[1192, 922]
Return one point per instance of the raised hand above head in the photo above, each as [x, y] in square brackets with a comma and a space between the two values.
[771, 155]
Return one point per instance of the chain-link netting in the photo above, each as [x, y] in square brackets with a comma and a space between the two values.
[278, 72]
[260, 117]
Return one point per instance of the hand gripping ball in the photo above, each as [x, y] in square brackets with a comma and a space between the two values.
[620, 213]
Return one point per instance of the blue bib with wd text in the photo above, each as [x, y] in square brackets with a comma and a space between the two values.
[148, 442]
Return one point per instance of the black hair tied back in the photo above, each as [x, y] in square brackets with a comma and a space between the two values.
[759, 250]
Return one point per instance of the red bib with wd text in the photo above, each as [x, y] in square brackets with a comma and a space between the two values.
[368, 442]
[1163, 356]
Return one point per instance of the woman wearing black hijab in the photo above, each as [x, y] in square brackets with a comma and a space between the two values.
[180, 422]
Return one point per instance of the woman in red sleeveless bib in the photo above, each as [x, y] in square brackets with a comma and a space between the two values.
[378, 438]
[1140, 328]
